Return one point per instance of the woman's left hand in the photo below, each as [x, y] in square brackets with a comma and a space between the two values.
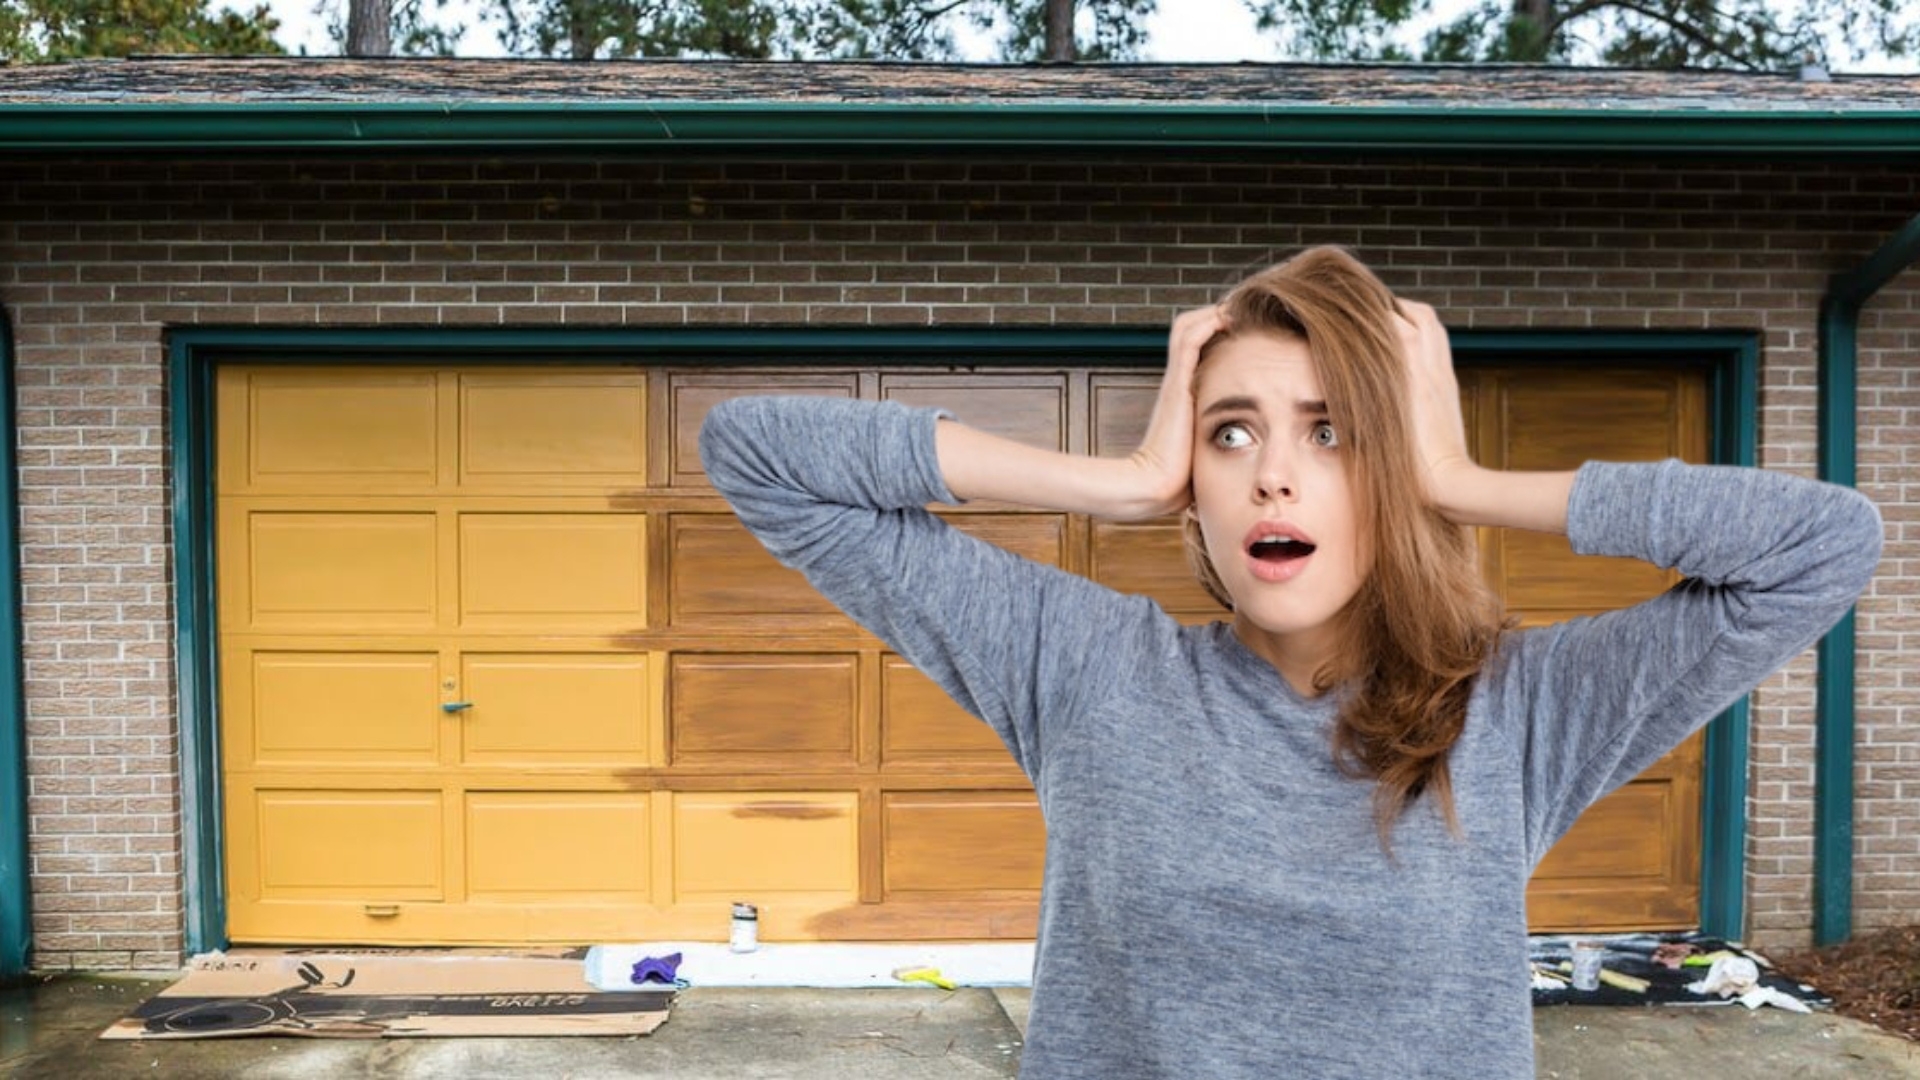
[1439, 429]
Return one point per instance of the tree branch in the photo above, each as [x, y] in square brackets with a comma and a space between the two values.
[1685, 29]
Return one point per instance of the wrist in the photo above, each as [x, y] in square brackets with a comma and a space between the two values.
[1457, 489]
[1470, 495]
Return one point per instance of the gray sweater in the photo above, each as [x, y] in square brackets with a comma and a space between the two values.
[1216, 903]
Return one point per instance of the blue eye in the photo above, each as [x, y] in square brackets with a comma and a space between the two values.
[1324, 436]
[1232, 437]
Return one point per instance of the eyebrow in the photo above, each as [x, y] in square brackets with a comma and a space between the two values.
[1247, 404]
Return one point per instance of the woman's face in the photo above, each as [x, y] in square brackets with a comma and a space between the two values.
[1269, 486]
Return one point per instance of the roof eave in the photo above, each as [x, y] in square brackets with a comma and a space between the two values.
[534, 126]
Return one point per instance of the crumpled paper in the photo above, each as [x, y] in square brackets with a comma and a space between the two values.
[1739, 978]
[1730, 976]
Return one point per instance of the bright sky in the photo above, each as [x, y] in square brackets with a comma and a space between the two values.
[1180, 30]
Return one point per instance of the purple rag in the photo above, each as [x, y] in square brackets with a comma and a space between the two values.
[664, 968]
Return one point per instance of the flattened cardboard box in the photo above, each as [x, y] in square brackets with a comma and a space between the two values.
[387, 993]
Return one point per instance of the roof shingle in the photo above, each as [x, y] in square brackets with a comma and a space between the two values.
[454, 82]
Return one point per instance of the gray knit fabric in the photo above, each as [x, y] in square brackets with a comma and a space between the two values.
[1216, 902]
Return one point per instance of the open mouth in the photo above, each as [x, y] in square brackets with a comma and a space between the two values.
[1280, 549]
[1277, 551]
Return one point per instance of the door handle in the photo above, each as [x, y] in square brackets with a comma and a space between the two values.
[456, 706]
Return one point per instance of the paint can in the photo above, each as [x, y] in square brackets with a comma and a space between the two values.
[745, 936]
[1586, 964]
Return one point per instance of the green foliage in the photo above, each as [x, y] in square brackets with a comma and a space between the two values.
[803, 29]
[585, 29]
[1754, 35]
[36, 31]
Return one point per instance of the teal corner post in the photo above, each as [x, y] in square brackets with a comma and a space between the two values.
[1723, 798]
[190, 390]
[16, 892]
[1834, 689]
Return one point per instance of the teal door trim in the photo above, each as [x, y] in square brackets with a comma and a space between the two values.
[194, 354]
[16, 888]
[1838, 432]
[196, 629]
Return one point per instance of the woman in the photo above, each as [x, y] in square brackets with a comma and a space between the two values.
[1296, 843]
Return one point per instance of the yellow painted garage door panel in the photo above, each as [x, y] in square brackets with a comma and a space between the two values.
[365, 570]
[539, 847]
[721, 575]
[543, 709]
[920, 723]
[1150, 559]
[695, 394]
[546, 571]
[733, 845]
[553, 429]
[364, 708]
[766, 710]
[962, 843]
[354, 430]
[380, 845]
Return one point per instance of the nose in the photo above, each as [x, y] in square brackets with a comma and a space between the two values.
[1276, 478]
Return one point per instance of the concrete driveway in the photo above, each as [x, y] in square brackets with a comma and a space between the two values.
[49, 1030]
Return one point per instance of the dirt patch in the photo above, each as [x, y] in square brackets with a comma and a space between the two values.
[1874, 978]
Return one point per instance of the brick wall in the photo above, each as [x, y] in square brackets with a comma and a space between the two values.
[97, 259]
[1887, 742]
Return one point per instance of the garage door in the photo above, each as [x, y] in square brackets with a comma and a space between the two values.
[498, 666]
[1633, 860]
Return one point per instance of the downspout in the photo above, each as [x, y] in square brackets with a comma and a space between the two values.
[16, 893]
[1833, 694]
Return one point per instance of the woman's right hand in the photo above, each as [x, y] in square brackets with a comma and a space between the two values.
[1163, 463]
[1153, 481]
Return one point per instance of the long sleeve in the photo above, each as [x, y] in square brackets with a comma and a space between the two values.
[1770, 562]
[838, 489]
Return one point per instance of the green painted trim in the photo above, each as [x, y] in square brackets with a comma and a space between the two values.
[1834, 659]
[195, 353]
[728, 345]
[1735, 434]
[16, 886]
[190, 384]
[1833, 805]
[754, 126]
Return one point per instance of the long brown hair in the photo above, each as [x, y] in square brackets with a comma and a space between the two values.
[1424, 621]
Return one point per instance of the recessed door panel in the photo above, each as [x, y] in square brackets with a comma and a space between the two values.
[376, 845]
[361, 708]
[546, 846]
[551, 571]
[553, 709]
[359, 570]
